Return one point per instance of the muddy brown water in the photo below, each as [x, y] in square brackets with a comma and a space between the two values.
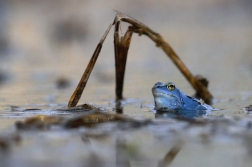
[213, 39]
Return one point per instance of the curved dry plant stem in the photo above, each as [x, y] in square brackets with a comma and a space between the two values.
[121, 46]
[160, 42]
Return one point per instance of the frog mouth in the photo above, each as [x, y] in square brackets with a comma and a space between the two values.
[166, 101]
[163, 103]
[157, 93]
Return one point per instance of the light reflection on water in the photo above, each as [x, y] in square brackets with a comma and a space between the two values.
[182, 113]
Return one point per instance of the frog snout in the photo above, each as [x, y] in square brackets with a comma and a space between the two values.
[158, 84]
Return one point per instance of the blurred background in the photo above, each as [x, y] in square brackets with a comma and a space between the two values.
[46, 45]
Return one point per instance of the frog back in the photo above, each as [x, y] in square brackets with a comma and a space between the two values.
[191, 103]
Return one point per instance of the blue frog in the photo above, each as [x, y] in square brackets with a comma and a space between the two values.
[169, 98]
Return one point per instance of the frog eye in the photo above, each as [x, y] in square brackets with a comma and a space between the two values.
[170, 86]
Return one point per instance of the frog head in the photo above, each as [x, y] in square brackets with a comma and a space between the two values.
[167, 97]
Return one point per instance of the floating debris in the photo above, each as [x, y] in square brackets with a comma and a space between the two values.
[90, 119]
[82, 107]
[22, 109]
[41, 122]
[16, 108]
[93, 119]
[248, 108]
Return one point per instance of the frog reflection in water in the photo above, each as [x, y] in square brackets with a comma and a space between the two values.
[168, 98]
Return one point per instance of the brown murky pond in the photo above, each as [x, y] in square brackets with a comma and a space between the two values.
[45, 48]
